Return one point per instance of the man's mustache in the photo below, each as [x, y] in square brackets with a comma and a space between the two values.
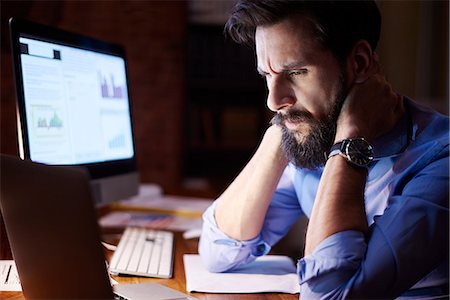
[293, 116]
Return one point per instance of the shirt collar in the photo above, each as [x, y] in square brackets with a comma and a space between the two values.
[395, 141]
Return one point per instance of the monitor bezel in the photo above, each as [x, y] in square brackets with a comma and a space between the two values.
[27, 29]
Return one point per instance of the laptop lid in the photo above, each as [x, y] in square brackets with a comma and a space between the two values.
[51, 225]
[54, 237]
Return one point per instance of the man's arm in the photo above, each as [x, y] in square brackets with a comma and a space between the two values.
[370, 110]
[406, 243]
[241, 209]
[339, 204]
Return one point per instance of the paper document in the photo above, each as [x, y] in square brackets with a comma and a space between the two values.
[176, 205]
[124, 219]
[151, 209]
[270, 273]
[9, 278]
[150, 199]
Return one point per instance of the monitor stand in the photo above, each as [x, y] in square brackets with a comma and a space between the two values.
[114, 188]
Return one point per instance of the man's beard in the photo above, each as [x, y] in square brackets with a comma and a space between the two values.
[308, 150]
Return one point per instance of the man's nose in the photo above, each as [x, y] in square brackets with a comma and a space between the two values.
[281, 96]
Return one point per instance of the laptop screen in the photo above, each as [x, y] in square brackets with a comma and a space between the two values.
[76, 103]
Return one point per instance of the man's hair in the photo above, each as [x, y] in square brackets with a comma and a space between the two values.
[338, 25]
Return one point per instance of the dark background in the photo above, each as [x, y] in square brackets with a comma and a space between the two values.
[198, 105]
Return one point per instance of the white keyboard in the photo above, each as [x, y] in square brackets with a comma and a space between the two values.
[144, 252]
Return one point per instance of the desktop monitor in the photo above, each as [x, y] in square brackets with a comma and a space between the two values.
[73, 106]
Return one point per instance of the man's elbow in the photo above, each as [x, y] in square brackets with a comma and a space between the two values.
[213, 264]
[215, 268]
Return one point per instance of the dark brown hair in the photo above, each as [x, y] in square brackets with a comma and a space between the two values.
[337, 24]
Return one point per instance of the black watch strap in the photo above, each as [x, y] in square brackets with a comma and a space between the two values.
[335, 149]
[357, 151]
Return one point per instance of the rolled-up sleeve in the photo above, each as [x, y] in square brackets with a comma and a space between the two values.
[406, 244]
[332, 264]
[220, 253]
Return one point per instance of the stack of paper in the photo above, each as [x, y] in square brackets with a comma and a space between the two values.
[122, 219]
[270, 273]
[151, 209]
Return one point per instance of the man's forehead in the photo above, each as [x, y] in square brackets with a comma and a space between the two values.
[298, 30]
[287, 44]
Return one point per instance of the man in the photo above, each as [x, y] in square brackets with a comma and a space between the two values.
[367, 166]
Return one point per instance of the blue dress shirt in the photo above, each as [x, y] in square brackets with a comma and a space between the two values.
[406, 252]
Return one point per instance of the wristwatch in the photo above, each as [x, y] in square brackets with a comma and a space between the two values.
[357, 151]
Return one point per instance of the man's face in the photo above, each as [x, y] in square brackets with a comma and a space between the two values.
[307, 87]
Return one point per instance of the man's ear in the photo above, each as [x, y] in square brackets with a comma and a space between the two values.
[361, 61]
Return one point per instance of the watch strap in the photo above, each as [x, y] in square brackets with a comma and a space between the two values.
[335, 149]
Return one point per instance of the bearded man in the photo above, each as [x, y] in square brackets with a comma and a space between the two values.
[366, 165]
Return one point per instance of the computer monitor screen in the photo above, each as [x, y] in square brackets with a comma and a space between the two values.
[74, 106]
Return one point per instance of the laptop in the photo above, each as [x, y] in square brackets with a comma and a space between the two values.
[51, 224]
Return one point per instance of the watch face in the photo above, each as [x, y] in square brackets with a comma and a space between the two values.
[358, 152]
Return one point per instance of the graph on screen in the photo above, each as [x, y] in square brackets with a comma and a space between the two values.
[77, 104]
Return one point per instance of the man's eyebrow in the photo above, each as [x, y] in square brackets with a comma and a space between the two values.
[298, 64]
[294, 65]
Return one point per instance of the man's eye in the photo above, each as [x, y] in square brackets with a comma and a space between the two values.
[297, 72]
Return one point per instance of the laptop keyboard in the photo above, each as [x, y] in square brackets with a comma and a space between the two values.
[144, 252]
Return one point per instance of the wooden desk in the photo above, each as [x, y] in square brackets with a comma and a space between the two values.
[178, 281]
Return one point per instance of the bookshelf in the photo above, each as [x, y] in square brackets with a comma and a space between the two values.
[225, 110]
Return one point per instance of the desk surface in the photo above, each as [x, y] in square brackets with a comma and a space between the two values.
[178, 281]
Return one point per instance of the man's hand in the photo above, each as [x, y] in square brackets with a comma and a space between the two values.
[370, 109]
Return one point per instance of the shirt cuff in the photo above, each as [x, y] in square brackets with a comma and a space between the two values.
[337, 256]
[221, 252]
